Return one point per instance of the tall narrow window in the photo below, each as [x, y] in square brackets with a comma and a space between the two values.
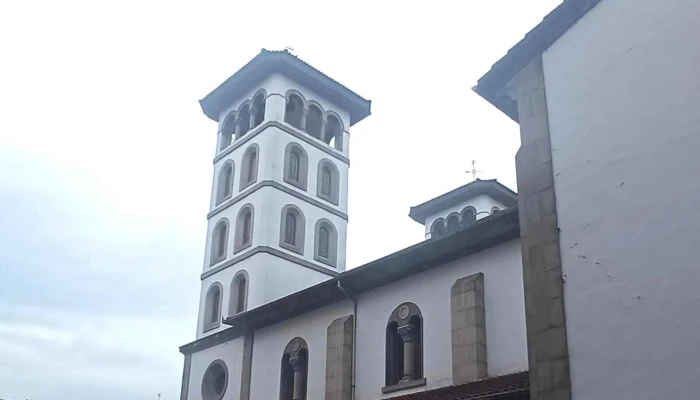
[404, 347]
[333, 134]
[323, 241]
[243, 121]
[326, 181]
[212, 307]
[328, 187]
[249, 168]
[219, 242]
[258, 111]
[224, 183]
[326, 246]
[294, 111]
[239, 293]
[292, 229]
[313, 121]
[296, 166]
[294, 370]
[244, 228]
[227, 131]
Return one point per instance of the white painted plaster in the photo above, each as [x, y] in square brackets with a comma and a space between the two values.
[270, 342]
[430, 291]
[482, 204]
[232, 354]
[623, 96]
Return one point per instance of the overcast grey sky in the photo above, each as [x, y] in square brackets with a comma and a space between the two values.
[106, 160]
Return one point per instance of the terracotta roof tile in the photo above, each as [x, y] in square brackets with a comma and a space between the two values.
[514, 386]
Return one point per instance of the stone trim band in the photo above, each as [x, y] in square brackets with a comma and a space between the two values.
[271, 251]
[250, 190]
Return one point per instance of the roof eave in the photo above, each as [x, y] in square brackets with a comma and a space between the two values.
[269, 62]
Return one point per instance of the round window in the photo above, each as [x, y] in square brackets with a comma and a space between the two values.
[215, 381]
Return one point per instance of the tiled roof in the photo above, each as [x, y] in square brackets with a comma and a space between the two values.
[535, 42]
[513, 386]
[268, 62]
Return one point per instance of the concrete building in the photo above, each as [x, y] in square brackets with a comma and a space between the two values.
[280, 318]
[582, 286]
[607, 95]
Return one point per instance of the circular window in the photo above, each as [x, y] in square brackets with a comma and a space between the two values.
[215, 381]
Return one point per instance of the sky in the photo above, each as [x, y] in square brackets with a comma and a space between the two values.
[106, 160]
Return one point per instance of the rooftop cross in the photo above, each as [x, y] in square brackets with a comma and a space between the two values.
[474, 170]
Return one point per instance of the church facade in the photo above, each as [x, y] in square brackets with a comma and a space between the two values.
[582, 286]
[280, 317]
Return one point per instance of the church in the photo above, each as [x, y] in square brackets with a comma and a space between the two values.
[553, 293]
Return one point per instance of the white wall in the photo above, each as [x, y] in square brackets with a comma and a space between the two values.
[269, 346]
[482, 204]
[623, 96]
[231, 353]
[430, 291]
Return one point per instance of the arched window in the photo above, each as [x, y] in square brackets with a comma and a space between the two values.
[215, 381]
[313, 121]
[239, 294]
[495, 210]
[212, 307]
[243, 121]
[328, 186]
[227, 130]
[244, 228]
[333, 134]
[404, 345]
[296, 166]
[468, 216]
[326, 243]
[219, 241]
[294, 370]
[249, 167]
[438, 228]
[224, 184]
[258, 111]
[294, 110]
[292, 229]
[452, 223]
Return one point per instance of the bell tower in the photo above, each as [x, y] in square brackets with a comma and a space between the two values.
[278, 214]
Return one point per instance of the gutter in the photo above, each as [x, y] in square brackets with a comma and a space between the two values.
[354, 335]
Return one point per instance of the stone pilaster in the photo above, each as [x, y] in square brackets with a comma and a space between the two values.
[246, 367]
[468, 329]
[542, 273]
[184, 389]
[339, 337]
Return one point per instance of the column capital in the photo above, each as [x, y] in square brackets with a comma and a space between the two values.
[297, 363]
[406, 332]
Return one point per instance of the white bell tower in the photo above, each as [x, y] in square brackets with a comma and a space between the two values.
[278, 216]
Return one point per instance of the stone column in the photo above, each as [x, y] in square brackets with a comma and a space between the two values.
[252, 113]
[298, 366]
[237, 132]
[542, 274]
[339, 342]
[302, 125]
[406, 333]
[469, 360]
[322, 132]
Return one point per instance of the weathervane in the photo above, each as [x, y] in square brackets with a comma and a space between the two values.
[474, 171]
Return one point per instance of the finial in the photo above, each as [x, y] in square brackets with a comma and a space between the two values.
[474, 170]
[289, 49]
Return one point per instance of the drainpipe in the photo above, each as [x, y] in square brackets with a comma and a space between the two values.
[354, 336]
